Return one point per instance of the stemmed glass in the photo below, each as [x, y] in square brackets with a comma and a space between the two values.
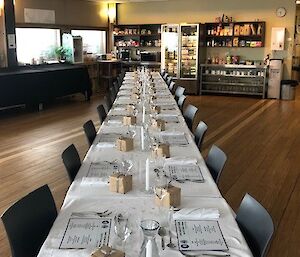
[121, 228]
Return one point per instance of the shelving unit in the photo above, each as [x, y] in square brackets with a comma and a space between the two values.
[137, 35]
[189, 51]
[235, 34]
[233, 79]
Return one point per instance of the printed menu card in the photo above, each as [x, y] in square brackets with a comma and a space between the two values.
[102, 169]
[84, 233]
[184, 172]
[200, 235]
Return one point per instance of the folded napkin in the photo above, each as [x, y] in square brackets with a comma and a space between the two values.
[114, 121]
[90, 181]
[172, 133]
[196, 214]
[106, 144]
[180, 161]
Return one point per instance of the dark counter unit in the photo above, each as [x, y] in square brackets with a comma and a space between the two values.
[38, 84]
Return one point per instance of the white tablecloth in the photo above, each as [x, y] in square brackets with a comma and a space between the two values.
[93, 194]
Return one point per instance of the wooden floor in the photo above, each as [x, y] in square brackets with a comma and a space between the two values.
[260, 137]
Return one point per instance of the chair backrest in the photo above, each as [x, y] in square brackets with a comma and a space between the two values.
[28, 222]
[165, 76]
[112, 93]
[189, 115]
[119, 80]
[90, 131]
[179, 92]
[215, 162]
[116, 87]
[181, 102]
[71, 161]
[172, 86]
[162, 72]
[101, 113]
[108, 102]
[169, 80]
[200, 133]
[256, 225]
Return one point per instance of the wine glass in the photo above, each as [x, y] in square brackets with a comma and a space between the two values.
[121, 228]
[126, 166]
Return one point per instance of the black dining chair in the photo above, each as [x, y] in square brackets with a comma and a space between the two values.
[165, 76]
[179, 92]
[108, 102]
[120, 81]
[112, 93]
[181, 102]
[71, 161]
[172, 87]
[116, 87]
[200, 133]
[101, 113]
[189, 115]
[28, 221]
[256, 225]
[90, 131]
[215, 162]
[162, 72]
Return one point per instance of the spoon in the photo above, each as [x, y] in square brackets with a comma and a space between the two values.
[162, 233]
[170, 244]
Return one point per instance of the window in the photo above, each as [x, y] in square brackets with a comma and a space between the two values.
[94, 41]
[36, 45]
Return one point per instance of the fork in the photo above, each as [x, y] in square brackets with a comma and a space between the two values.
[100, 214]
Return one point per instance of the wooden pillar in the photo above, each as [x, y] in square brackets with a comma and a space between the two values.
[10, 29]
[2, 39]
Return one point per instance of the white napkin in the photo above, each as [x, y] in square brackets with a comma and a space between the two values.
[172, 133]
[180, 161]
[196, 214]
[106, 144]
[114, 121]
[88, 181]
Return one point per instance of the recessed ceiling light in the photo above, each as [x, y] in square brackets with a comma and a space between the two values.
[298, 2]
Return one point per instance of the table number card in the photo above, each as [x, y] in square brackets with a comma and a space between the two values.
[102, 169]
[84, 233]
[184, 172]
[200, 235]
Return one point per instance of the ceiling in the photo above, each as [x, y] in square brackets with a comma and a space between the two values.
[127, 1]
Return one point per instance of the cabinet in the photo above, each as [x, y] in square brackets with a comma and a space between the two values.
[180, 54]
[233, 79]
[235, 34]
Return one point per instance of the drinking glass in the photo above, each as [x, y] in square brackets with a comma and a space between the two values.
[121, 228]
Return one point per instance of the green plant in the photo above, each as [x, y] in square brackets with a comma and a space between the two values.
[63, 53]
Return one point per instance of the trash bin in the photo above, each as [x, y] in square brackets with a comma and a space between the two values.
[288, 89]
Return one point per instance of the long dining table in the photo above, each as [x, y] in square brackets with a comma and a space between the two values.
[89, 193]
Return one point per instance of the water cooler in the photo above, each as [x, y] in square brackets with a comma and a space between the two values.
[275, 77]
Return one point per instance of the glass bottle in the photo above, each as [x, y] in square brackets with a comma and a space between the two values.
[149, 247]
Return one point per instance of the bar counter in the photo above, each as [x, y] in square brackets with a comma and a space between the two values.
[41, 83]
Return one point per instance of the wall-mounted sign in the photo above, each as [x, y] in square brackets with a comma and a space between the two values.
[39, 16]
